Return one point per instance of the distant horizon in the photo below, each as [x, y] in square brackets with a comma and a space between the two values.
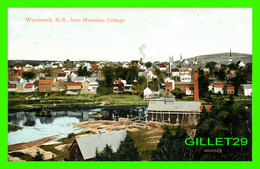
[133, 59]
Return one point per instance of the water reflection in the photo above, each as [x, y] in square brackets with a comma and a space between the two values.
[60, 122]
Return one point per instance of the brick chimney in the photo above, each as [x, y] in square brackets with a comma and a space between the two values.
[196, 85]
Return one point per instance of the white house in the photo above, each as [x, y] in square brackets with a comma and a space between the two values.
[73, 74]
[39, 67]
[17, 67]
[147, 93]
[62, 76]
[87, 65]
[125, 65]
[163, 67]
[12, 86]
[247, 89]
[22, 80]
[79, 79]
[210, 87]
[77, 65]
[29, 88]
[92, 85]
[151, 76]
[56, 65]
[142, 72]
[66, 70]
[219, 87]
[241, 64]
[28, 66]
[188, 91]
[175, 72]
[185, 77]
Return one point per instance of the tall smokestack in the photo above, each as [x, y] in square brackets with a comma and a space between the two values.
[196, 85]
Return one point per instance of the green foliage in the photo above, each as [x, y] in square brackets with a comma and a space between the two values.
[178, 93]
[221, 74]
[70, 135]
[102, 89]
[157, 72]
[240, 78]
[148, 64]
[225, 119]
[208, 98]
[127, 150]
[172, 148]
[109, 77]
[28, 75]
[211, 65]
[22, 156]
[17, 154]
[44, 112]
[38, 156]
[129, 74]
[47, 71]
[13, 128]
[105, 155]
[82, 71]
[203, 84]
[233, 66]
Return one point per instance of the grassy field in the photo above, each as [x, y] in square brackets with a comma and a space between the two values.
[36, 100]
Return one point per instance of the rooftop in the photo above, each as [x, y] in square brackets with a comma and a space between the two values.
[175, 106]
[74, 84]
[61, 74]
[44, 82]
[247, 86]
[28, 86]
[89, 144]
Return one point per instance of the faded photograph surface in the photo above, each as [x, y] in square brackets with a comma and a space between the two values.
[130, 84]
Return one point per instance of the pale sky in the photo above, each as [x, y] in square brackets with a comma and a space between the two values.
[164, 31]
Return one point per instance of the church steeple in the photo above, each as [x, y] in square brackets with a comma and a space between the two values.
[230, 57]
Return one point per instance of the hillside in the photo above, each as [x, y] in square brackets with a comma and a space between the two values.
[222, 58]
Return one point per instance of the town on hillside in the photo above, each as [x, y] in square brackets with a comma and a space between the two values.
[129, 111]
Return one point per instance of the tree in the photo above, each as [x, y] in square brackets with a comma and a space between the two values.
[105, 155]
[82, 71]
[225, 119]
[148, 64]
[28, 75]
[132, 74]
[211, 65]
[38, 156]
[233, 66]
[109, 78]
[172, 148]
[240, 78]
[47, 71]
[221, 74]
[203, 84]
[127, 150]
[178, 93]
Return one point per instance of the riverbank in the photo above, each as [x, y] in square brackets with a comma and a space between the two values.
[57, 101]
[150, 132]
[13, 128]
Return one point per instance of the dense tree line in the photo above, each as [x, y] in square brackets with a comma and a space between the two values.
[82, 71]
[110, 74]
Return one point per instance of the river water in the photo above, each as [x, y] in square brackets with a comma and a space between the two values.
[60, 124]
